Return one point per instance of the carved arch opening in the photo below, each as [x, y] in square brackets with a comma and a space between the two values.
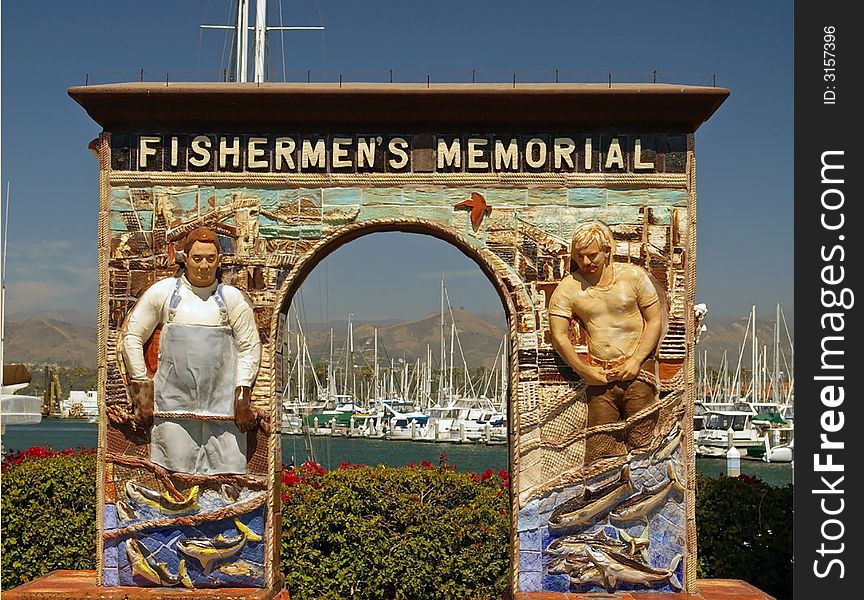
[510, 290]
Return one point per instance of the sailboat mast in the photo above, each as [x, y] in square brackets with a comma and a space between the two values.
[241, 46]
[3, 235]
[777, 354]
[418, 375]
[452, 341]
[754, 362]
[260, 38]
[351, 354]
[301, 344]
[429, 372]
[376, 365]
[502, 398]
[331, 379]
[442, 358]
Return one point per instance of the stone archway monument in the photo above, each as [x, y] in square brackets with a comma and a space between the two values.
[602, 470]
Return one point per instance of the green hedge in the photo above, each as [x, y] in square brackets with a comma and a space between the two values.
[744, 531]
[379, 532]
[49, 515]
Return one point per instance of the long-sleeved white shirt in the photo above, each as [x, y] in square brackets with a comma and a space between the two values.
[197, 307]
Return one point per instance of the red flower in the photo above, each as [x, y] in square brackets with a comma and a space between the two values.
[487, 474]
[16, 458]
[291, 478]
[311, 467]
[427, 464]
[752, 479]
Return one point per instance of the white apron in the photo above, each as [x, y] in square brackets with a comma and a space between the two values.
[196, 375]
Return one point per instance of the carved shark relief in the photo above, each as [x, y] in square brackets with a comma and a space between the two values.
[616, 568]
[581, 510]
[644, 502]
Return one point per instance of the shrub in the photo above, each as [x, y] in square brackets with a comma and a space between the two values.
[49, 513]
[380, 533]
[745, 532]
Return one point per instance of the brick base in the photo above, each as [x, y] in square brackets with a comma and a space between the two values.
[81, 585]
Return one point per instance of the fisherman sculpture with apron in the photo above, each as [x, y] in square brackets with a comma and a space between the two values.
[209, 353]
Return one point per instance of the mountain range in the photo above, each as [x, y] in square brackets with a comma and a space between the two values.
[46, 338]
[66, 338]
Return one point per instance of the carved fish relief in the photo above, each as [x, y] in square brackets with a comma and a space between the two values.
[615, 568]
[125, 511]
[581, 510]
[163, 503]
[636, 544]
[144, 564]
[240, 568]
[207, 551]
[641, 504]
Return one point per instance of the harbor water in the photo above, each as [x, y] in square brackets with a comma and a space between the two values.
[329, 452]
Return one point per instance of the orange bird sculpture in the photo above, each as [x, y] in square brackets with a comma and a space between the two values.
[477, 205]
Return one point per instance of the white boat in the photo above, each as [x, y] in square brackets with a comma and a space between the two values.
[781, 453]
[721, 424]
[465, 419]
[778, 439]
[404, 422]
[80, 404]
[18, 409]
[699, 412]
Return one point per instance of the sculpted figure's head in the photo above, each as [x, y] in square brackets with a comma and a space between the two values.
[203, 256]
[592, 247]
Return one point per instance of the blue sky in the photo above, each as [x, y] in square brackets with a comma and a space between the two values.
[744, 152]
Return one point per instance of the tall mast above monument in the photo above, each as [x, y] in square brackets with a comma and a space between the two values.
[240, 72]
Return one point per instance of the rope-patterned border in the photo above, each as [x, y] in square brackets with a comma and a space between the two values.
[690, 552]
[601, 180]
[104, 248]
[273, 516]
[514, 423]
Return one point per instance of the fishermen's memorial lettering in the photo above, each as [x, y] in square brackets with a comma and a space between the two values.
[396, 153]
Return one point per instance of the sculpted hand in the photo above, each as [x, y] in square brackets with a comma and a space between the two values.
[263, 421]
[142, 402]
[244, 417]
[594, 375]
[627, 371]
